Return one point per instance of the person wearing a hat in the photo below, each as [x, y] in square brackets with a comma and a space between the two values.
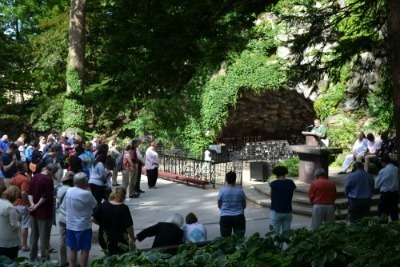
[67, 182]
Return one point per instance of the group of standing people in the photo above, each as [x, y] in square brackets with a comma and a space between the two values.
[359, 187]
[322, 195]
[31, 178]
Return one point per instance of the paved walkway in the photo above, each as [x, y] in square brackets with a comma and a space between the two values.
[168, 198]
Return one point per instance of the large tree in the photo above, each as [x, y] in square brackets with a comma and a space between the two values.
[393, 25]
[74, 112]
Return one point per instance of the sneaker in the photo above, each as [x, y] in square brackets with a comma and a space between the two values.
[134, 196]
[141, 191]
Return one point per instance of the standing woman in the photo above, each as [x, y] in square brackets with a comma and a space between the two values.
[232, 202]
[89, 152]
[152, 165]
[140, 165]
[116, 226]
[9, 223]
[98, 178]
[281, 200]
[127, 166]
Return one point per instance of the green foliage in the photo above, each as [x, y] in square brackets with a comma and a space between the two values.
[292, 165]
[73, 111]
[344, 135]
[328, 103]
[255, 69]
[73, 114]
[48, 113]
[232, 251]
[49, 51]
[184, 118]
[367, 243]
[380, 105]
[343, 41]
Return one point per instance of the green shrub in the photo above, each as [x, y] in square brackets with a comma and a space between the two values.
[292, 165]
[366, 243]
[369, 242]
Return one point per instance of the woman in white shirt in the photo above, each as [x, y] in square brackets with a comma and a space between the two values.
[152, 165]
[10, 223]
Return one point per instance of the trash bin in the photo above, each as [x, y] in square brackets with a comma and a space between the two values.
[259, 171]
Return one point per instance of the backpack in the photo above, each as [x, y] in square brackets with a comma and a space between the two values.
[120, 162]
[64, 161]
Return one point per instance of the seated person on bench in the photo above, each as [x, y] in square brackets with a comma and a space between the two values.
[357, 152]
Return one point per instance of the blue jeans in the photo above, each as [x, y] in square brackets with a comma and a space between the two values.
[280, 221]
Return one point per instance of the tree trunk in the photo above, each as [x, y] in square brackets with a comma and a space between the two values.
[77, 40]
[73, 111]
[393, 24]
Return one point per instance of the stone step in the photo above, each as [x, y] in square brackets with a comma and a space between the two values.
[301, 197]
[259, 194]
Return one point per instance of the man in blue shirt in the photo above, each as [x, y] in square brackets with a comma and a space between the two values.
[3, 144]
[388, 183]
[2, 183]
[359, 187]
[9, 161]
[71, 139]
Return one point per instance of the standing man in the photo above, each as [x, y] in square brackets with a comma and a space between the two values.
[319, 129]
[373, 149]
[79, 208]
[71, 140]
[3, 144]
[21, 181]
[359, 187]
[357, 153]
[49, 145]
[140, 165]
[322, 195]
[9, 168]
[388, 183]
[41, 197]
[152, 165]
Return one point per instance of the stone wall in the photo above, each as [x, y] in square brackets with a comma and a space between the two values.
[271, 115]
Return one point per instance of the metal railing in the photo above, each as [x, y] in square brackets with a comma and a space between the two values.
[213, 172]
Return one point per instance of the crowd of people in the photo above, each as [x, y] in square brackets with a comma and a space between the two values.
[80, 181]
